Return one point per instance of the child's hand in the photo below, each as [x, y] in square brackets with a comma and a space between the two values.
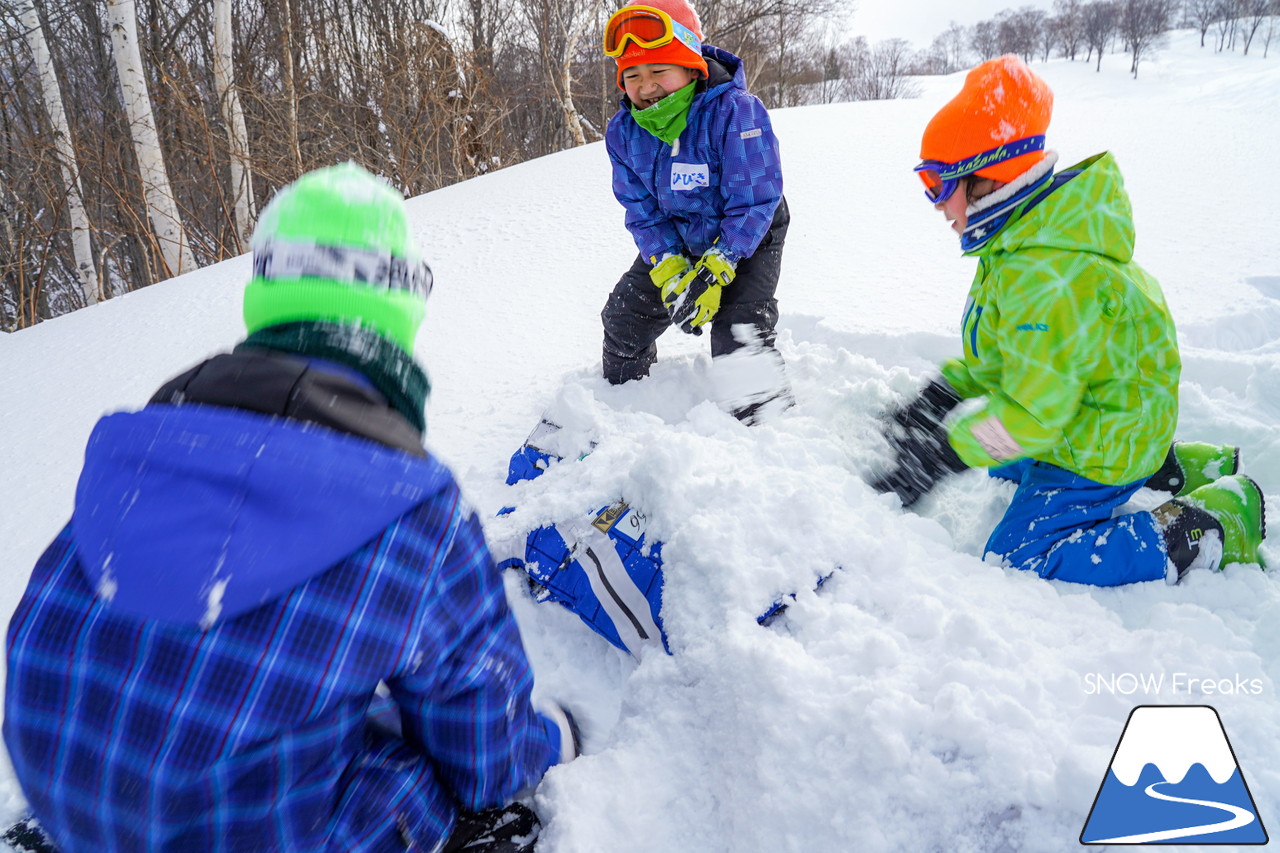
[667, 272]
[695, 299]
[917, 434]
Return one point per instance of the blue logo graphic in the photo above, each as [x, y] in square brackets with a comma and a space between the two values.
[1173, 779]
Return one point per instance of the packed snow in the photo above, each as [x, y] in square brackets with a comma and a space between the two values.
[923, 698]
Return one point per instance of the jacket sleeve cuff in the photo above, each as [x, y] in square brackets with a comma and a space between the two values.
[982, 441]
[956, 372]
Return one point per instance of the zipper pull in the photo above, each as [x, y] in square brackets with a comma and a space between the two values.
[675, 147]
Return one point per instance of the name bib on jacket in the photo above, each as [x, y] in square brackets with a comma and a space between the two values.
[688, 176]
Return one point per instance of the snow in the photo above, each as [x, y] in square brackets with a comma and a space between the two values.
[923, 698]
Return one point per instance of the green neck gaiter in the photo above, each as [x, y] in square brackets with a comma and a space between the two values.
[391, 370]
[667, 118]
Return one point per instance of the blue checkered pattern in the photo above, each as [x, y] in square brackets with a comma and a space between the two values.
[130, 733]
[729, 133]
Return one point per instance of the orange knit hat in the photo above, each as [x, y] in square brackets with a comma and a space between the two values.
[674, 52]
[1002, 101]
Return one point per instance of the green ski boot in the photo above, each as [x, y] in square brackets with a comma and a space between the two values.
[1192, 464]
[1237, 504]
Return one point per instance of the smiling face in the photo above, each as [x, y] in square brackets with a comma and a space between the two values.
[647, 84]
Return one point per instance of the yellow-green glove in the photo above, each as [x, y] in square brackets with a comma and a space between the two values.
[669, 270]
[694, 300]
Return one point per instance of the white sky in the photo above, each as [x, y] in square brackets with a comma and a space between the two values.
[919, 21]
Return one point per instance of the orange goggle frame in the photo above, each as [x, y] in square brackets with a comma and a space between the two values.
[646, 28]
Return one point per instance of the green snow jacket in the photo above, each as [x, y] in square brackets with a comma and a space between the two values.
[1068, 341]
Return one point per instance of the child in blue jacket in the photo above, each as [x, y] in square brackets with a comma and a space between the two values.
[696, 166]
[272, 623]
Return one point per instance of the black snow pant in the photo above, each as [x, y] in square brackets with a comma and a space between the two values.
[634, 316]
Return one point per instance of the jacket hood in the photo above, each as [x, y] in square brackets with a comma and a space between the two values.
[1089, 212]
[194, 513]
[734, 72]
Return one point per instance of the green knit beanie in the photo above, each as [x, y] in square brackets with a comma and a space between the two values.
[334, 246]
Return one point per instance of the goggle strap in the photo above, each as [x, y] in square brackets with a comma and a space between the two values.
[285, 259]
[969, 165]
[686, 36]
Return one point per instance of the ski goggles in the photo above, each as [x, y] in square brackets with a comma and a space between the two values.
[941, 179]
[646, 28]
[284, 259]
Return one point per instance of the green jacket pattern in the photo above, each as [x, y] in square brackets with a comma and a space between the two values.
[1067, 340]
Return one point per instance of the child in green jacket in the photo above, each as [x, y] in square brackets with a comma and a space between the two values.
[1070, 355]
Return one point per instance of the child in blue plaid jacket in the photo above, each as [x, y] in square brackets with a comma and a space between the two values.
[272, 623]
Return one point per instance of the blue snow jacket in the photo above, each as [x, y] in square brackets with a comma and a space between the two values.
[721, 178]
[193, 662]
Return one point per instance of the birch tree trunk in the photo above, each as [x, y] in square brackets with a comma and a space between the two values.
[80, 241]
[162, 207]
[233, 117]
[577, 27]
[289, 86]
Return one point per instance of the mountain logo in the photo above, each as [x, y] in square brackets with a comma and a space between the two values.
[1173, 779]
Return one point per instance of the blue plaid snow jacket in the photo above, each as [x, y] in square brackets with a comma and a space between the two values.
[193, 661]
[722, 177]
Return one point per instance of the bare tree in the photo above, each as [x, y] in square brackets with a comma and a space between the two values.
[481, 20]
[953, 40]
[1143, 23]
[1224, 21]
[834, 70]
[848, 61]
[984, 39]
[424, 92]
[933, 60]
[1019, 31]
[290, 84]
[732, 24]
[883, 76]
[1070, 17]
[784, 62]
[1272, 21]
[1255, 12]
[1203, 13]
[67, 161]
[233, 116]
[1050, 36]
[162, 206]
[559, 26]
[1101, 19]
[1035, 31]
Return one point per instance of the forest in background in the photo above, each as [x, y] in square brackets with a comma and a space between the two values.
[138, 138]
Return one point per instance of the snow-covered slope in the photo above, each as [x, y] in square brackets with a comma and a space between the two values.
[923, 699]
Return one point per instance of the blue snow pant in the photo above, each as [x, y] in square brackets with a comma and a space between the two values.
[1060, 525]
[634, 316]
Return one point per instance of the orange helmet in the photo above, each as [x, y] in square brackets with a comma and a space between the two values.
[1002, 101]
[682, 47]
